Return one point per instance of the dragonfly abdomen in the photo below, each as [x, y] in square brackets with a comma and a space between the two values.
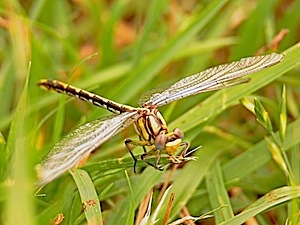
[97, 100]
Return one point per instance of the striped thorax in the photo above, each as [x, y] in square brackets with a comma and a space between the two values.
[152, 127]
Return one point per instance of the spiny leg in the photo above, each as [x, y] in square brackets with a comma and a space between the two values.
[129, 142]
[155, 165]
[186, 148]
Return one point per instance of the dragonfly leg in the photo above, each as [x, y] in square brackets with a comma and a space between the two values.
[150, 153]
[186, 148]
[157, 161]
[129, 142]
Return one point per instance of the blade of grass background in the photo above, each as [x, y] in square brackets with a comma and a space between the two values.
[89, 198]
[218, 195]
[59, 120]
[131, 208]
[71, 203]
[108, 32]
[49, 213]
[20, 196]
[258, 155]
[141, 187]
[6, 82]
[155, 10]
[149, 68]
[269, 200]
[36, 9]
[192, 174]
[220, 100]
[252, 32]
[294, 206]
[208, 45]
[4, 157]
[186, 180]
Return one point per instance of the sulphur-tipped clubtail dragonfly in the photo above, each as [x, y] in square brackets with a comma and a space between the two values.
[149, 123]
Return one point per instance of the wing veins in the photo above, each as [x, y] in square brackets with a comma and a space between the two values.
[215, 78]
[79, 143]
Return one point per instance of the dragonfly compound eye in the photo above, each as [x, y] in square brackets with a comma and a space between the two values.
[178, 133]
[160, 141]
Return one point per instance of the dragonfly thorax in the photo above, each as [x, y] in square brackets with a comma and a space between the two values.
[152, 127]
[150, 124]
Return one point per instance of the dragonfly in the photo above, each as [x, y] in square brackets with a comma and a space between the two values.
[152, 130]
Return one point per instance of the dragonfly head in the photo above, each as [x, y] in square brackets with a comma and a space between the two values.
[169, 142]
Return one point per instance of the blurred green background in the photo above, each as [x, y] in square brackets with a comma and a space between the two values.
[143, 45]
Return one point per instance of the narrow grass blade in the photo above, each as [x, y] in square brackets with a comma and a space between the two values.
[131, 208]
[109, 29]
[89, 198]
[294, 205]
[155, 10]
[282, 115]
[292, 103]
[186, 182]
[269, 200]
[141, 187]
[19, 204]
[4, 158]
[160, 204]
[262, 115]
[238, 168]
[59, 120]
[218, 195]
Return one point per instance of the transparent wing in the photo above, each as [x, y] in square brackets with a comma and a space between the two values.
[78, 144]
[215, 78]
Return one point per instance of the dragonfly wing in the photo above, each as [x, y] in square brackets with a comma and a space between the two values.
[78, 144]
[215, 78]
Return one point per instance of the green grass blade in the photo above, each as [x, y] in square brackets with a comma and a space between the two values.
[20, 193]
[141, 187]
[282, 114]
[294, 206]
[131, 208]
[59, 120]
[107, 39]
[269, 200]
[237, 168]
[186, 182]
[4, 158]
[88, 194]
[155, 10]
[253, 31]
[218, 195]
